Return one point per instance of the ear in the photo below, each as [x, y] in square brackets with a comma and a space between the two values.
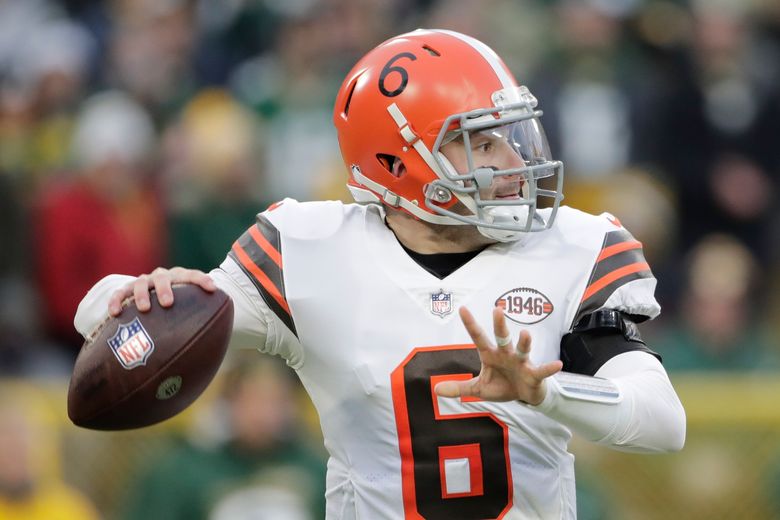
[398, 168]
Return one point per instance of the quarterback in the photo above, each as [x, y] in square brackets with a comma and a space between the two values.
[456, 324]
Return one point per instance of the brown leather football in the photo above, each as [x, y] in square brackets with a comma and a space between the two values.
[141, 368]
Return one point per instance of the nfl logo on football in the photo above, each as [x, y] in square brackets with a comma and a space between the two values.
[131, 344]
[441, 303]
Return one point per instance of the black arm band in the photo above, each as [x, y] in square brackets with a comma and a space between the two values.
[597, 338]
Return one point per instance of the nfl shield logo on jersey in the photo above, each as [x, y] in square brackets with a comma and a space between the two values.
[131, 344]
[441, 303]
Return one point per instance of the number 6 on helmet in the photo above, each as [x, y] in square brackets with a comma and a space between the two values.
[410, 96]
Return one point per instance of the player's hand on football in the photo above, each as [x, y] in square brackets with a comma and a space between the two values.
[507, 374]
[160, 280]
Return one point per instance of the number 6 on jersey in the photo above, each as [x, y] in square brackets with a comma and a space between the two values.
[453, 465]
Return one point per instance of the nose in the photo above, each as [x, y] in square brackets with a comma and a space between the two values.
[511, 158]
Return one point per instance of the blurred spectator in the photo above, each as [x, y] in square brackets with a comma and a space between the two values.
[520, 28]
[52, 69]
[151, 57]
[24, 348]
[646, 206]
[719, 323]
[293, 87]
[715, 128]
[44, 83]
[255, 466]
[214, 189]
[591, 87]
[25, 351]
[232, 32]
[18, 20]
[641, 203]
[28, 490]
[106, 218]
[13, 226]
[666, 113]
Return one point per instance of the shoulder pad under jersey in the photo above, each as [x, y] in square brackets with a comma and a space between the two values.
[619, 276]
[308, 220]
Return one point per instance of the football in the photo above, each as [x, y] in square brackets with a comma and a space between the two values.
[141, 368]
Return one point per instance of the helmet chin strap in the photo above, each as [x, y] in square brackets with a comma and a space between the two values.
[505, 215]
[510, 215]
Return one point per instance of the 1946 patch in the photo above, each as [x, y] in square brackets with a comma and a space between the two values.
[525, 305]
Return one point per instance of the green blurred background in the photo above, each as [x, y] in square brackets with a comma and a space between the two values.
[138, 133]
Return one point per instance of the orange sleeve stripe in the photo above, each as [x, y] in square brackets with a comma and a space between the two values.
[618, 248]
[260, 276]
[614, 275]
[266, 246]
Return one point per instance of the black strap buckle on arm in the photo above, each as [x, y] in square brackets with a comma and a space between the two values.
[597, 338]
[609, 319]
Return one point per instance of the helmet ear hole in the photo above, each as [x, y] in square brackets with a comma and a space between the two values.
[345, 111]
[388, 162]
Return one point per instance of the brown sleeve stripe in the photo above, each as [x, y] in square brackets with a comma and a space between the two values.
[258, 254]
[617, 259]
[616, 237]
[618, 248]
[266, 246]
[269, 232]
[259, 276]
[619, 262]
[264, 253]
[599, 297]
[615, 275]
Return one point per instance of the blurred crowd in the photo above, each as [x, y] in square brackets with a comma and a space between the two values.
[138, 133]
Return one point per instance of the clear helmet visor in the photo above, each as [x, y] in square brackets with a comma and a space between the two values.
[492, 153]
[517, 148]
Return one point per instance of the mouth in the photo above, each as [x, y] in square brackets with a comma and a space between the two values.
[509, 190]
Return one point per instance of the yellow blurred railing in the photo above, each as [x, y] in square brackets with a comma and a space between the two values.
[729, 468]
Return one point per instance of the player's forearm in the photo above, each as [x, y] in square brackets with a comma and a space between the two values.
[248, 329]
[648, 418]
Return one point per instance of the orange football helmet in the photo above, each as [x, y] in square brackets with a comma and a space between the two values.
[418, 91]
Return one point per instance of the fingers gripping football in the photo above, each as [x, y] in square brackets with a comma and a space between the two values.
[506, 374]
[160, 280]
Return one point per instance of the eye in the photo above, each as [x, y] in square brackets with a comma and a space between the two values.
[486, 146]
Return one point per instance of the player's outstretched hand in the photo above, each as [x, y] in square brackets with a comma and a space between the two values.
[160, 280]
[507, 374]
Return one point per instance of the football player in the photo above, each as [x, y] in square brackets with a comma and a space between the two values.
[456, 324]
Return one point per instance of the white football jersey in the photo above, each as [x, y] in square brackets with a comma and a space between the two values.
[370, 333]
